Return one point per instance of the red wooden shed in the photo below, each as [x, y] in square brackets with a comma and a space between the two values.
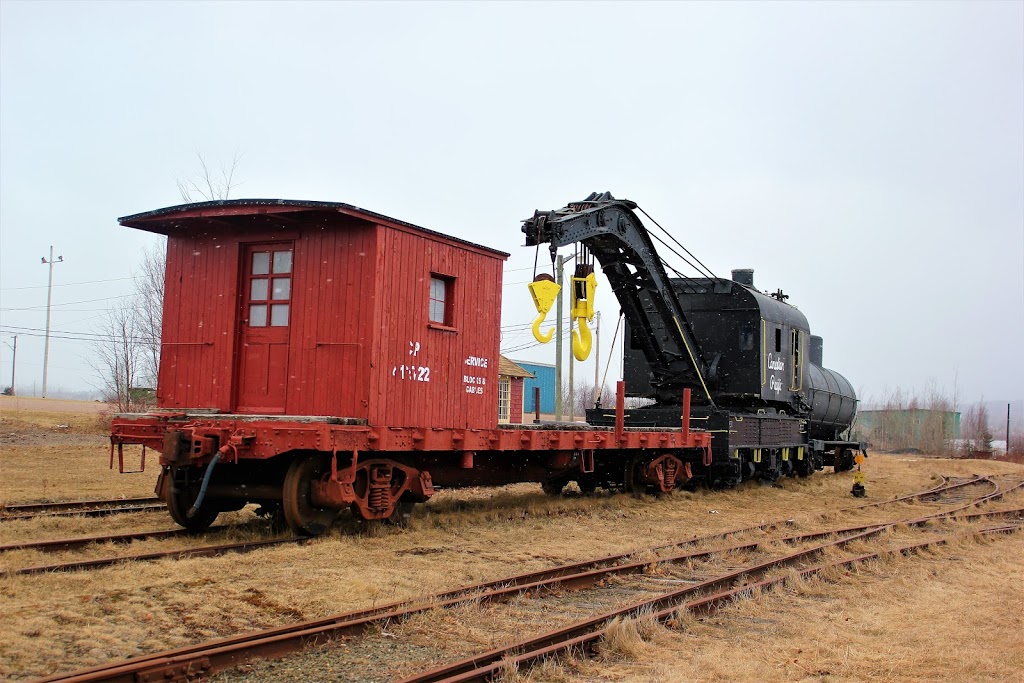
[510, 391]
[284, 307]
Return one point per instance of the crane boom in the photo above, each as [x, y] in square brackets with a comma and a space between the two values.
[621, 244]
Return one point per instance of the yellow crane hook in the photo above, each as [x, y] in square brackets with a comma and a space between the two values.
[544, 290]
[583, 310]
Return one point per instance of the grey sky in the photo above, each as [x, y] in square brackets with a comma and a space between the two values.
[867, 158]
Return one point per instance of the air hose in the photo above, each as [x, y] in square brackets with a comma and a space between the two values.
[202, 489]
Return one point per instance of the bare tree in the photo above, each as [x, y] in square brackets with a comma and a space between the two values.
[206, 185]
[1016, 445]
[119, 359]
[127, 361]
[149, 301]
[905, 421]
[977, 436]
[585, 396]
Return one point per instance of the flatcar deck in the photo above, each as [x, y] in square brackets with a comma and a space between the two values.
[261, 437]
[329, 463]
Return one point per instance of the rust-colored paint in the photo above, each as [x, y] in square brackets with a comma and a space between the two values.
[263, 438]
[335, 320]
[199, 323]
[431, 374]
[358, 341]
[265, 327]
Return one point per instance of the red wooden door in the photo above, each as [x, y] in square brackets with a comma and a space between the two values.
[266, 317]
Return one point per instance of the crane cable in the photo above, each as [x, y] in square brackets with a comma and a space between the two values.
[706, 271]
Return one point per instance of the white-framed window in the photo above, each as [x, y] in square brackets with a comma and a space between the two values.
[441, 299]
[270, 287]
[504, 399]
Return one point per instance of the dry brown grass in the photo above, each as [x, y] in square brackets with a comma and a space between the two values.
[857, 629]
[48, 456]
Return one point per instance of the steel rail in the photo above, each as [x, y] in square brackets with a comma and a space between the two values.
[180, 554]
[59, 544]
[970, 482]
[943, 486]
[205, 658]
[71, 504]
[905, 497]
[995, 495]
[79, 507]
[584, 635]
[223, 653]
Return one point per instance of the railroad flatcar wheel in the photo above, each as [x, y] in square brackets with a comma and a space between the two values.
[300, 514]
[184, 490]
[631, 479]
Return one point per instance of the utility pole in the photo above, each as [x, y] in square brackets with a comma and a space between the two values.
[560, 263]
[49, 301]
[13, 367]
[1008, 425]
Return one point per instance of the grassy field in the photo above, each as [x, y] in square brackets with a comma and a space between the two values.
[953, 615]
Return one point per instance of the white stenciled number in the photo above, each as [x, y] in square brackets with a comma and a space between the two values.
[413, 373]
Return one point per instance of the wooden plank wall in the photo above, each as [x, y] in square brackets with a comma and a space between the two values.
[332, 328]
[360, 337]
[200, 294]
[405, 339]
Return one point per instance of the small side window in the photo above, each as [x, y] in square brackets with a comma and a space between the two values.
[798, 370]
[441, 296]
[746, 338]
[778, 340]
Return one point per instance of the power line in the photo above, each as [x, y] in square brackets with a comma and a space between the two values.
[77, 336]
[66, 284]
[68, 303]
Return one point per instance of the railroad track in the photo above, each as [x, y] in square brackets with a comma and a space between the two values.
[179, 554]
[92, 508]
[203, 660]
[79, 542]
[583, 636]
[60, 545]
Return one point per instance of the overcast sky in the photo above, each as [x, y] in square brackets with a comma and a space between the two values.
[867, 158]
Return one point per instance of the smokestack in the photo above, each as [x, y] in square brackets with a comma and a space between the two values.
[817, 349]
[744, 276]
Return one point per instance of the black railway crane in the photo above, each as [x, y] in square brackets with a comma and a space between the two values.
[754, 369]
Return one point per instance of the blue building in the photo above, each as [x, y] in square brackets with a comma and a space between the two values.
[543, 377]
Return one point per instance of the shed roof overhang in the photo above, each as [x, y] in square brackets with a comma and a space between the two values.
[508, 368]
[183, 218]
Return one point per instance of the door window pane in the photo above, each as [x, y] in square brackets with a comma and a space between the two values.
[282, 262]
[282, 288]
[258, 290]
[261, 263]
[258, 316]
[279, 315]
